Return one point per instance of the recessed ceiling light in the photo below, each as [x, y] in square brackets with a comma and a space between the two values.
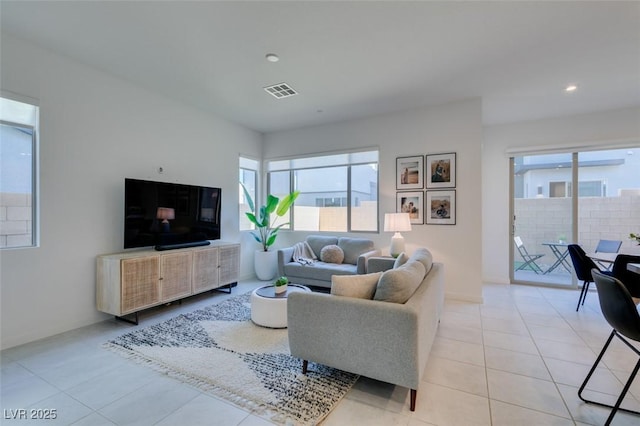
[571, 88]
[272, 57]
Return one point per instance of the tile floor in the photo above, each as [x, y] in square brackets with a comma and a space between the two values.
[518, 359]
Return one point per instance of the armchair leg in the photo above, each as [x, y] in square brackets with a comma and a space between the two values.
[305, 366]
[414, 393]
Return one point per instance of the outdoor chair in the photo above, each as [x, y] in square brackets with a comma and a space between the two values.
[607, 246]
[582, 265]
[621, 313]
[529, 259]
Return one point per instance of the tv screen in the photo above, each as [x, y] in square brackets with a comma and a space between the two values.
[168, 214]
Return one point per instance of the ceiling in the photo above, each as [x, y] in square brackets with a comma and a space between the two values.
[350, 60]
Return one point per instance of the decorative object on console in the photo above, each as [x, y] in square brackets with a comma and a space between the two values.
[267, 231]
[635, 237]
[441, 171]
[220, 351]
[165, 214]
[441, 207]
[281, 285]
[397, 222]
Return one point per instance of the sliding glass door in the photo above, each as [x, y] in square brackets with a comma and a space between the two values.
[561, 198]
[542, 218]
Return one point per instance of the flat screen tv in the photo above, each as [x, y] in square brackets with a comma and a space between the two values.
[169, 215]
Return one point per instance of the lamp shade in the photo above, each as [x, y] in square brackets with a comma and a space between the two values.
[166, 213]
[397, 222]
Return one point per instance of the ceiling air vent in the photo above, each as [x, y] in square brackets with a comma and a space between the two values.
[280, 90]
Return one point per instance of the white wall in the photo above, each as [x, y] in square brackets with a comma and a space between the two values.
[95, 131]
[607, 128]
[454, 127]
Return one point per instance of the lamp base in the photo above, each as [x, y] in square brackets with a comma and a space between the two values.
[397, 245]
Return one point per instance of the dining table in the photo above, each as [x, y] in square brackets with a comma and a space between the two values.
[561, 253]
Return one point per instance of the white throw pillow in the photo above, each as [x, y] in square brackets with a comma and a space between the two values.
[331, 254]
[359, 286]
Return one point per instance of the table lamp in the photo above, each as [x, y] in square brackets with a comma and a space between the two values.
[396, 222]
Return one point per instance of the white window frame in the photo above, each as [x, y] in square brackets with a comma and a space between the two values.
[30, 121]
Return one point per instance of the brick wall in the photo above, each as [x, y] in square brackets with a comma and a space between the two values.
[15, 220]
[540, 220]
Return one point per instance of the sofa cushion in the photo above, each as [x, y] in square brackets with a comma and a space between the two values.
[318, 241]
[318, 271]
[331, 254]
[359, 286]
[398, 285]
[425, 257]
[400, 260]
[354, 247]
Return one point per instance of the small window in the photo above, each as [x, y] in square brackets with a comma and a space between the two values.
[248, 178]
[18, 174]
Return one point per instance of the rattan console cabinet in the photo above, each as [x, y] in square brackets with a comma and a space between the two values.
[132, 281]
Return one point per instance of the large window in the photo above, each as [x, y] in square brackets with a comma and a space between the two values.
[248, 178]
[18, 174]
[338, 192]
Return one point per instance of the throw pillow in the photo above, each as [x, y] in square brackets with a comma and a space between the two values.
[425, 257]
[331, 254]
[400, 260]
[398, 285]
[359, 286]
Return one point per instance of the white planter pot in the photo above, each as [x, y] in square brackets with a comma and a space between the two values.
[280, 288]
[266, 264]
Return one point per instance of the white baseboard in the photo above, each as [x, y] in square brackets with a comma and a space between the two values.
[463, 298]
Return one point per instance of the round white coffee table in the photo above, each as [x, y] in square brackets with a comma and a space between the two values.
[269, 309]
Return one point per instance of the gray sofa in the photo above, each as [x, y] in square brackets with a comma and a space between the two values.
[356, 252]
[382, 340]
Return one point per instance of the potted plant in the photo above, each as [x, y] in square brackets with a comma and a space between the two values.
[281, 285]
[266, 231]
[635, 237]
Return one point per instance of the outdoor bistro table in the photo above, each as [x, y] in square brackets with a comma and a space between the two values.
[560, 251]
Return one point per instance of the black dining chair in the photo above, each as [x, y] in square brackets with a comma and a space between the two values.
[629, 279]
[582, 265]
[621, 314]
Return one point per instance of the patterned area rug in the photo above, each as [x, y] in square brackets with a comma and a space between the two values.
[219, 350]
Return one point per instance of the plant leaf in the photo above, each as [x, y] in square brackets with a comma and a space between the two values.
[286, 202]
[252, 207]
[272, 203]
[252, 218]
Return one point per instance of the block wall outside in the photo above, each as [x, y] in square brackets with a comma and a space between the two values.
[540, 220]
[16, 224]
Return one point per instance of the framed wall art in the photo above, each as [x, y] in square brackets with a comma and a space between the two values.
[441, 171]
[441, 207]
[412, 203]
[410, 172]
